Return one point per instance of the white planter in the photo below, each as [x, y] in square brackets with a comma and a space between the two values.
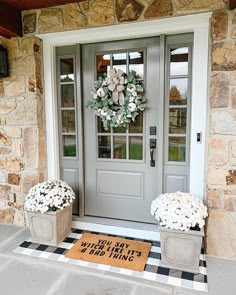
[50, 228]
[180, 249]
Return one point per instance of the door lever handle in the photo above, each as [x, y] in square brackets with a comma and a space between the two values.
[152, 162]
[153, 145]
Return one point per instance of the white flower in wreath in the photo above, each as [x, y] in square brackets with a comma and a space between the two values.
[119, 121]
[132, 106]
[132, 88]
[108, 118]
[103, 113]
[95, 96]
[100, 92]
[131, 99]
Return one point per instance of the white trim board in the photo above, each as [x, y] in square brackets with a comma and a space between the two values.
[118, 230]
[197, 23]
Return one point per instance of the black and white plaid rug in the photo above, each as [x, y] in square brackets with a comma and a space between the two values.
[152, 270]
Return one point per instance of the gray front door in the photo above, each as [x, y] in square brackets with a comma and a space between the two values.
[119, 180]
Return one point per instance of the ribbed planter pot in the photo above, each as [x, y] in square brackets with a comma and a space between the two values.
[180, 249]
[50, 228]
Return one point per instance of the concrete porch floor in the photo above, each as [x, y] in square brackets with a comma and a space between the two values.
[24, 275]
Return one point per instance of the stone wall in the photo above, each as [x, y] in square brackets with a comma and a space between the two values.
[22, 131]
[94, 13]
[221, 178]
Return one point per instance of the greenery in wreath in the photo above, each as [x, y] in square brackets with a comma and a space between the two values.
[117, 99]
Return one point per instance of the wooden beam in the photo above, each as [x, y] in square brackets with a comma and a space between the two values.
[230, 4]
[10, 21]
[37, 4]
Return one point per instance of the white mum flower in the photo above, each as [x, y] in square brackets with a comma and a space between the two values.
[49, 196]
[179, 211]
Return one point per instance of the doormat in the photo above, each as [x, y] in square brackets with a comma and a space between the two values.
[152, 271]
[112, 251]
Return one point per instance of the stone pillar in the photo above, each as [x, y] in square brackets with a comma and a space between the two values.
[22, 126]
[221, 176]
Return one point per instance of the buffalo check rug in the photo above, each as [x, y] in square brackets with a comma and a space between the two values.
[152, 270]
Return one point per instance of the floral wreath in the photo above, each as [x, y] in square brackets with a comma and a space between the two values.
[117, 99]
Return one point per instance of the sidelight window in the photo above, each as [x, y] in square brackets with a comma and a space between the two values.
[178, 108]
[67, 107]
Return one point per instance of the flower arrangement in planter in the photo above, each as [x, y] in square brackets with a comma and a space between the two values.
[49, 211]
[51, 195]
[179, 211]
[181, 217]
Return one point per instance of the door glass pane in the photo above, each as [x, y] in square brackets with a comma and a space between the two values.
[137, 126]
[119, 61]
[136, 63]
[178, 91]
[135, 147]
[66, 70]
[104, 147]
[119, 130]
[67, 95]
[100, 126]
[119, 144]
[179, 61]
[177, 120]
[69, 145]
[177, 149]
[68, 121]
[103, 65]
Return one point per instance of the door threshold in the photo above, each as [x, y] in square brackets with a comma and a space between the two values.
[117, 227]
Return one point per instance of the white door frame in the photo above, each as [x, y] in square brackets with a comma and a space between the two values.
[197, 23]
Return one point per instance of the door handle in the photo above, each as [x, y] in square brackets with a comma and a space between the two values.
[152, 162]
[153, 144]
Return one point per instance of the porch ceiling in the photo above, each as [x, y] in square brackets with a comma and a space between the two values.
[10, 13]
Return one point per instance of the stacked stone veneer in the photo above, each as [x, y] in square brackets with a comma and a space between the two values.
[94, 13]
[22, 143]
[22, 157]
[221, 170]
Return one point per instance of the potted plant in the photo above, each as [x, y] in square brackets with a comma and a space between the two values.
[49, 211]
[181, 217]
